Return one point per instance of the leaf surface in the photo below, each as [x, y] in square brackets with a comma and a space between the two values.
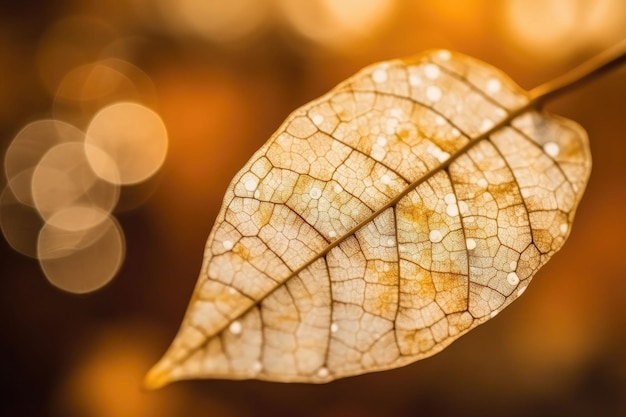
[381, 222]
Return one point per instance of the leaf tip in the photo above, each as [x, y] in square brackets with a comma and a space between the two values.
[158, 376]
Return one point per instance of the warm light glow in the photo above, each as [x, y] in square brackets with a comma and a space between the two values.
[556, 28]
[81, 261]
[71, 42]
[20, 224]
[133, 136]
[27, 149]
[86, 89]
[64, 178]
[338, 23]
[104, 379]
[215, 20]
[91, 82]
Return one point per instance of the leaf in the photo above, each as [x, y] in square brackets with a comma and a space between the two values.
[380, 223]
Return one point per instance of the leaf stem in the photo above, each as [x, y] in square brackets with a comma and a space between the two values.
[587, 71]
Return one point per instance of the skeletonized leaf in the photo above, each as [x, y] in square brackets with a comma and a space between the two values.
[381, 222]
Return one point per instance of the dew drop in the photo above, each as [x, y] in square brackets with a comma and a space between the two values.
[433, 93]
[450, 198]
[397, 113]
[228, 244]
[444, 55]
[486, 125]
[512, 278]
[391, 242]
[470, 243]
[251, 184]
[513, 265]
[318, 119]
[493, 85]
[315, 193]
[521, 291]
[463, 208]
[380, 75]
[563, 228]
[439, 120]
[415, 80]
[435, 236]
[494, 313]
[332, 233]
[323, 372]
[257, 367]
[338, 188]
[235, 327]
[334, 328]
[378, 153]
[385, 179]
[482, 183]
[432, 71]
[381, 141]
[452, 210]
[443, 156]
[552, 149]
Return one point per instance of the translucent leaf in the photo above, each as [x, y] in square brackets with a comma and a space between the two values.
[380, 223]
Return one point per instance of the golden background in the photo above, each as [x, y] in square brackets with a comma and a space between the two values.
[223, 75]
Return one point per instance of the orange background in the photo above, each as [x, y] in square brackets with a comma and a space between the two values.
[222, 86]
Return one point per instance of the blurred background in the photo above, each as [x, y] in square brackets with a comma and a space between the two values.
[94, 281]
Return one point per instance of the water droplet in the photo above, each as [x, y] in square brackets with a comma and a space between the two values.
[318, 119]
[415, 80]
[379, 75]
[235, 327]
[443, 156]
[493, 85]
[439, 120]
[452, 210]
[494, 313]
[432, 71]
[378, 153]
[334, 328]
[338, 188]
[444, 55]
[450, 198]
[251, 184]
[433, 93]
[323, 372]
[332, 233]
[228, 244]
[521, 291]
[552, 149]
[512, 278]
[482, 183]
[563, 228]
[486, 125]
[385, 179]
[315, 193]
[257, 367]
[435, 236]
[470, 243]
